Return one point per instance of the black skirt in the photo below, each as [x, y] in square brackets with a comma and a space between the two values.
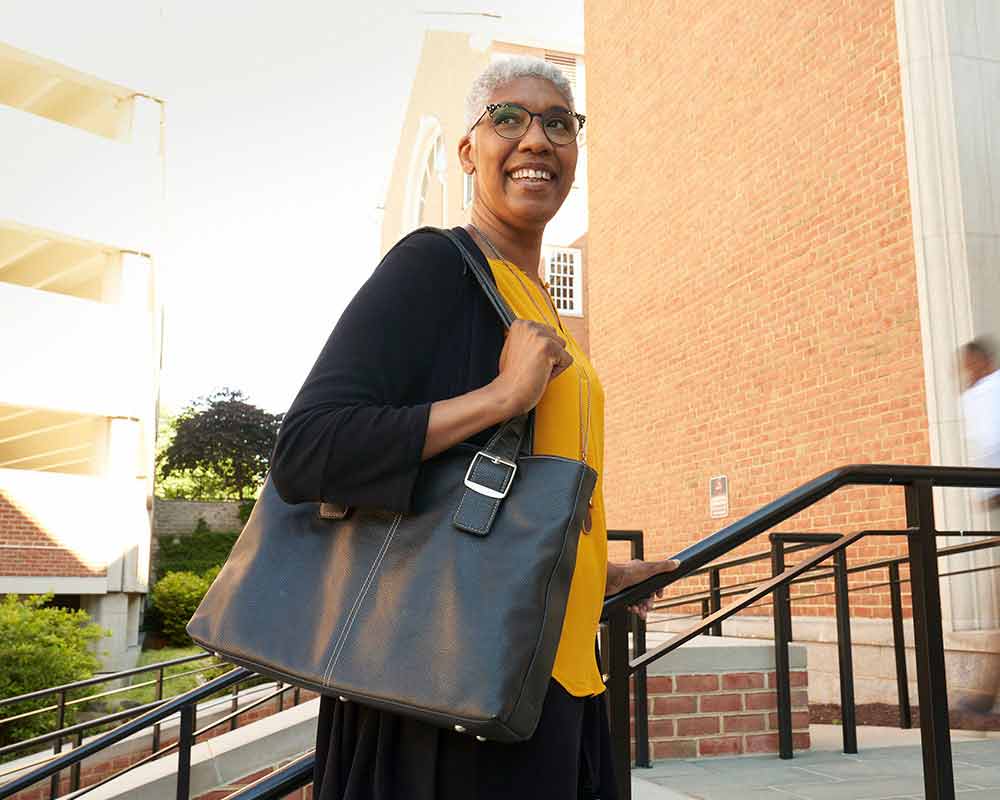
[365, 754]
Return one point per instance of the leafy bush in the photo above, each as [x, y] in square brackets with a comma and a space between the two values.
[246, 506]
[41, 646]
[176, 597]
[195, 552]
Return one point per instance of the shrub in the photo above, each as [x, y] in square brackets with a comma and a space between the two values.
[41, 646]
[246, 506]
[195, 552]
[176, 597]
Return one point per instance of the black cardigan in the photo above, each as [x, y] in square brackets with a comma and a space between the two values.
[418, 331]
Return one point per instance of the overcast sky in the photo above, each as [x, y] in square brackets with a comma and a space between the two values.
[282, 123]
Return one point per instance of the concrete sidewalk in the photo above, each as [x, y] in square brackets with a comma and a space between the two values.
[824, 773]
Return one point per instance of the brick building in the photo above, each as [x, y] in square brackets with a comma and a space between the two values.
[80, 211]
[794, 223]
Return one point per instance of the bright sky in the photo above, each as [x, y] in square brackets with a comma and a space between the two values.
[282, 123]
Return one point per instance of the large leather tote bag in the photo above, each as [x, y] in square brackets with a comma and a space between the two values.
[450, 614]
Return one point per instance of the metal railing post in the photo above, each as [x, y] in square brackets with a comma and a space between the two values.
[848, 713]
[782, 669]
[159, 696]
[57, 747]
[186, 739]
[74, 771]
[932, 686]
[715, 598]
[602, 648]
[234, 704]
[639, 685]
[618, 698]
[899, 646]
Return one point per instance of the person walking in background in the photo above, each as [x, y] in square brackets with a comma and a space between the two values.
[981, 414]
[981, 409]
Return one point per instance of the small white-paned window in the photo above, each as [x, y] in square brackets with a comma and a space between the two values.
[563, 273]
[468, 190]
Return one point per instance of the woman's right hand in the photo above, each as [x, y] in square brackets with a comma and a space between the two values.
[532, 356]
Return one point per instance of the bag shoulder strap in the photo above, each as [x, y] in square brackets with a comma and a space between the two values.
[492, 470]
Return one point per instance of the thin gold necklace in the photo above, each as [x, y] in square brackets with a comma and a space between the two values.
[582, 376]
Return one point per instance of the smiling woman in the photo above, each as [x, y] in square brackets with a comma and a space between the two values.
[418, 364]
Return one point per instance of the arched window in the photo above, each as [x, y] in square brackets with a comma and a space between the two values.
[430, 210]
[425, 196]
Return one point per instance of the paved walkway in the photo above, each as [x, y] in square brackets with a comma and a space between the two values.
[824, 773]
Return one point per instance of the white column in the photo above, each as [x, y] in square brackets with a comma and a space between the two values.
[952, 179]
[115, 613]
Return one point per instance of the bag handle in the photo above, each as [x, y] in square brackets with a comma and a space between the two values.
[485, 281]
[492, 470]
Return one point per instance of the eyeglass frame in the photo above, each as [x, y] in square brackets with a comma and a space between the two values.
[491, 107]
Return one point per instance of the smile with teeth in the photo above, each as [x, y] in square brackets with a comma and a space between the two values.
[533, 175]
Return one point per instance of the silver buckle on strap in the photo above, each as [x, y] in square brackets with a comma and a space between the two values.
[486, 491]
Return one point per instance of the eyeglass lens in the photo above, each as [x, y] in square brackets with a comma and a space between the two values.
[512, 122]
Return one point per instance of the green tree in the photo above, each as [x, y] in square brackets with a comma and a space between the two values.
[41, 646]
[218, 447]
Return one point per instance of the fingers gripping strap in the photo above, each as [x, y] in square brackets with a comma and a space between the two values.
[485, 281]
[492, 470]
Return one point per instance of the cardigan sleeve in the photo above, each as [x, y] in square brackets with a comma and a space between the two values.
[350, 437]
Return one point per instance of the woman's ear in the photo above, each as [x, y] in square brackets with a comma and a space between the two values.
[465, 154]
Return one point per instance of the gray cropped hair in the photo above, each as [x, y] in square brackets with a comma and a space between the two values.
[502, 72]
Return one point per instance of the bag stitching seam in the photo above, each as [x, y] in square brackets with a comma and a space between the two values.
[352, 612]
[365, 589]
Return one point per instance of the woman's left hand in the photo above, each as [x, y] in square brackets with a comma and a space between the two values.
[629, 573]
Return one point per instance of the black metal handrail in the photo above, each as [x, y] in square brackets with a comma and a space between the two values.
[107, 678]
[65, 731]
[642, 755]
[76, 732]
[917, 482]
[183, 704]
[279, 783]
[920, 534]
[700, 554]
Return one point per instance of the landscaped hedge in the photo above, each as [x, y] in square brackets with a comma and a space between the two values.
[176, 597]
[195, 552]
[41, 646]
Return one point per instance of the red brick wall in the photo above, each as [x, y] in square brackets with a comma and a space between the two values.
[27, 550]
[722, 714]
[751, 283]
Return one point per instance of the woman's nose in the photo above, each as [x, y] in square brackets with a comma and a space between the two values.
[534, 138]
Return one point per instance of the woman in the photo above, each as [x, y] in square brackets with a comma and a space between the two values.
[418, 363]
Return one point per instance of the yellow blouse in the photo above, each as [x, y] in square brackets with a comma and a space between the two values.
[569, 422]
